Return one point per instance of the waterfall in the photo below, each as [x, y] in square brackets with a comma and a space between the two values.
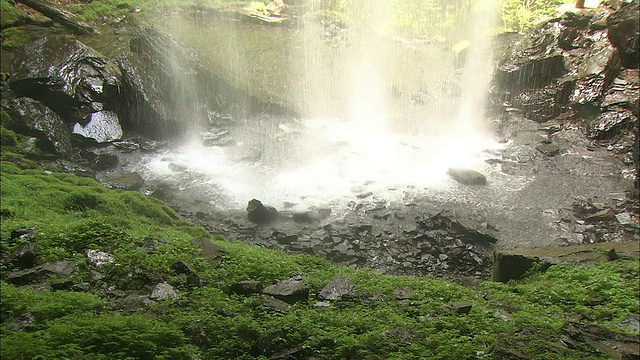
[381, 110]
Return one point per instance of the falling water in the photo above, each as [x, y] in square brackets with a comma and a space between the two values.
[380, 113]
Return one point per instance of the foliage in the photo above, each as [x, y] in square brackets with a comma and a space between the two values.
[9, 15]
[518, 15]
[15, 37]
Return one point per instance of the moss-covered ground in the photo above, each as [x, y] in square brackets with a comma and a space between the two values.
[145, 237]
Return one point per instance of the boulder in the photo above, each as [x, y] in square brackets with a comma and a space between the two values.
[67, 76]
[122, 180]
[25, 256]
[467, 176]
[261, 214]
[611, 123]
[624, 34]
[164, 291]
[33, 118]
[211, 253]
[103, 127]
[170, 90]
[98, 259]
[41, 273]
[290, 291]
[338, 287]
[187, 274]
[246, 287]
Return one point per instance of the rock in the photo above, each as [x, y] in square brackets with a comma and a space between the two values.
[187, 274]
[338, 287]
[211, 253]
[276, 304]
[542, 104]
[31, 117]
[612, 255]
[402, 293]
[122, 180]
[609, 124]
[306, 216]
[246, 288]
[25, 256]
[548, 148]
[467, 176]
[22, 233]
[21, 323]
[98, 259]
[164, 291]
[602, 215]
[41, 273]
[169, 94]
[103, 127]
[513, 263]
[402, 334]
[623, 33]
[261, 214]
[67, 76]
[289, 291]
[460, 307]
[613, 344]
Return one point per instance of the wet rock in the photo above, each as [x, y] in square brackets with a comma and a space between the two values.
[31, 117]
[623, 33]
[247, 287]
[548, 148]
[338, 287]
[164, 291]
[542, 104]
[211, 253]
[25, 256]
[307, 216]
[41, 273]
[98, 259]
[609, 124]
[261, 214]
[165, 99]
[511, 265]
[290, 291]
[467, 176]
[103, 126]
[217, 138]
[602, 215]
[67, 76]
[177, 167]
[122, 180]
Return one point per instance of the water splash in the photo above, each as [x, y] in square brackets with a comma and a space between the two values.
[382, 114]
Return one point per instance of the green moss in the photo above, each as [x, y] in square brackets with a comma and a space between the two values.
[15, 37]
[10, 15]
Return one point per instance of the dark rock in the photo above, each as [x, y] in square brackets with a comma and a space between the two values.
[624, 35]
[548, 148]
[261, 214]
[246, 288]
[103, 126]
[610, 343]
[306, 216]
[276, 304]
[338, 287]
[187, 274]
[461, 307]
[510, 265]
[41, 273]
[211, 253]
[31, 117]
[122, 180]
[22, 233]
[289, 291]
[67, 76]
[467, 176]
[105, 161]
[21, 323]
[25, 256]
[611, 123]
[542, 104]
[165, 99]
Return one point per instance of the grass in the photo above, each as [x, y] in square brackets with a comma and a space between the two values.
[72, 214]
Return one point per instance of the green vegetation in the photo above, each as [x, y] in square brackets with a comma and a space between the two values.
[145, 237]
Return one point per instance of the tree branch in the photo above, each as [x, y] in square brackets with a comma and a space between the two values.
[61, 16]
